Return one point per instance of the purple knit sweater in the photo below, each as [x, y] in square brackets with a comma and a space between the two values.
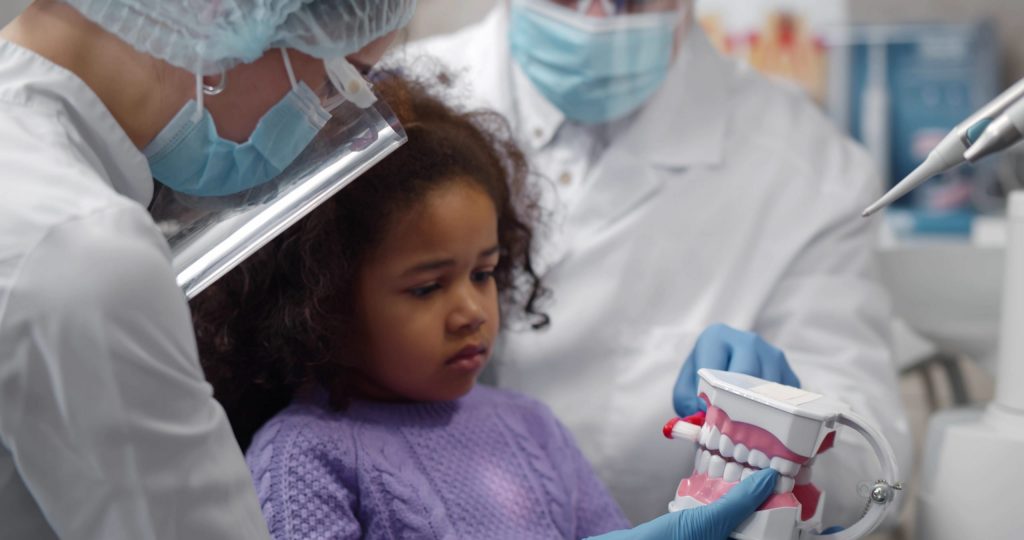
[492, 465]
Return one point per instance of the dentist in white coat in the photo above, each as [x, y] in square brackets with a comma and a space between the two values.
[684, 191]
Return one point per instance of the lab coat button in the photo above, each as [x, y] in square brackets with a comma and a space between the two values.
[565, 178]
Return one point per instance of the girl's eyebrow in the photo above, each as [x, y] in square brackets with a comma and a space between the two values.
[444, 263]
[429, 265]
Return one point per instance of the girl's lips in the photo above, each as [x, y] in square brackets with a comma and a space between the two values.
[470, 357]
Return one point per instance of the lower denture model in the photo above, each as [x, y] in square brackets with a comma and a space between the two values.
[754, 424]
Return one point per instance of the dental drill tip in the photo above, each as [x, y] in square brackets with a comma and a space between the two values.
[931, 166]
[895, 193]
[876, 206]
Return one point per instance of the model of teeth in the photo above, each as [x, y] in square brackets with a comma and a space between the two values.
[754, 424]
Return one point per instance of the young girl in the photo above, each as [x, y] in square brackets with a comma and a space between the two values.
[361, 331]
[373, 317]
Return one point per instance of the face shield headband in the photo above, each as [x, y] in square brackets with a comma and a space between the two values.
[212, 231]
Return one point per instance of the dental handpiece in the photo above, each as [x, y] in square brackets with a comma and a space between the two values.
[1002, 132]
[950, 150]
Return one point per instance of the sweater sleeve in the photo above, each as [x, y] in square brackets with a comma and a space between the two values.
[303, 482]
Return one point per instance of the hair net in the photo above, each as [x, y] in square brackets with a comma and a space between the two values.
[214, 35]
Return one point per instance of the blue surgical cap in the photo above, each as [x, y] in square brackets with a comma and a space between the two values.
[208, 36]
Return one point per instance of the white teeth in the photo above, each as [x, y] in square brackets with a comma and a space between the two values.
[785, 466]
[804, 476]
[747, 471]
[732, 472]
[716, 467]
[705, 457]
[784, 484]
[758, 459]
[713, 439]
[725, 446]
[705, 430]
[740, 453]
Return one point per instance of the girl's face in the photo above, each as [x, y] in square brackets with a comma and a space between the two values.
[428, 299]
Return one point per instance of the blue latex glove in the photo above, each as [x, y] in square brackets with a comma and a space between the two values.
[725, 348]
[712, 522]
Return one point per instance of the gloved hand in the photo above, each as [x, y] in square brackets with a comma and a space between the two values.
[712, 522]
[725, 348]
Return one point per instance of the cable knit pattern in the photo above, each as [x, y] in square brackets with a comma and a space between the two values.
[492, 465]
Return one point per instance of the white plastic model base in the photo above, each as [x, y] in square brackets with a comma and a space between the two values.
[775, 523]
[970, 477]
[753, 424]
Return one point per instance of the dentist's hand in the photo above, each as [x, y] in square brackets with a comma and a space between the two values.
[712, 522]
[725, 348]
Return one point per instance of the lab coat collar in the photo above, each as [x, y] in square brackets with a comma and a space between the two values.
[533, 117]
[538, 118]
[122, 164]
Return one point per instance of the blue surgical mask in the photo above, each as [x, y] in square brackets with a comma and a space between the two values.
[594, 69]
[190, 157]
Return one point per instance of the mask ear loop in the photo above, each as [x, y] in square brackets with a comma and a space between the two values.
[288, 68]
[315, 109]
[198, 113]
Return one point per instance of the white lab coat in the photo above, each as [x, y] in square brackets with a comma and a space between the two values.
[727, 198]
[107, 427]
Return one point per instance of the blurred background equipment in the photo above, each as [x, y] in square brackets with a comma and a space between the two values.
[782, 38]
[899, 89]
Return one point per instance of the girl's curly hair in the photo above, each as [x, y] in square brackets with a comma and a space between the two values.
[284, 319]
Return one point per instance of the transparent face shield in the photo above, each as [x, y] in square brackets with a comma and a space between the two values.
[208, 236]
[596, 60]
